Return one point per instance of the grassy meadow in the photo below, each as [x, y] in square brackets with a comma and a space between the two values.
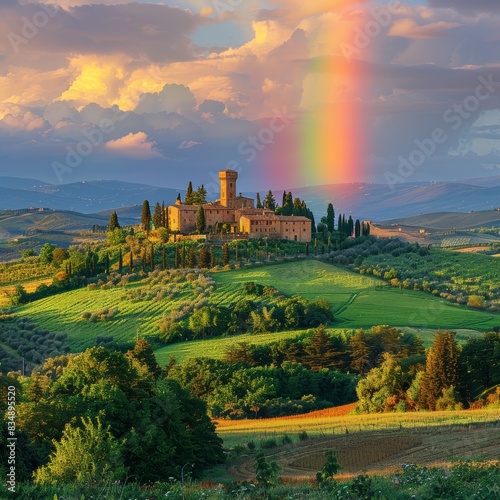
[357, 301]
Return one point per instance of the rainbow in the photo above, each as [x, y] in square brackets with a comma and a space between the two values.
[328, 143]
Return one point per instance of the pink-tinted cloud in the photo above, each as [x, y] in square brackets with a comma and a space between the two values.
[135, 146]
[408, 28]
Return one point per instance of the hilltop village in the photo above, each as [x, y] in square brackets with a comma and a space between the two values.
[240, 213]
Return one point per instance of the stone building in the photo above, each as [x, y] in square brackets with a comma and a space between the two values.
[240, 214]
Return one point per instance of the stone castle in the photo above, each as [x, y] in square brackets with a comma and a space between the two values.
[240, 214]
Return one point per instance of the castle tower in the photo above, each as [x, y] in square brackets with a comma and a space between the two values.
[228, 188]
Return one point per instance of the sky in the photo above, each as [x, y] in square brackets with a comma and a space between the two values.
[289, 93]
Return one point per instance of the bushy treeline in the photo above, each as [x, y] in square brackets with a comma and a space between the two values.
[293, 375]
[28, 341]
[103, 415]
[262, 309]
[450, 377]
[466, 279]
[238, 390]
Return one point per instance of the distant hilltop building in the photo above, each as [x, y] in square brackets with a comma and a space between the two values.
[240, 214]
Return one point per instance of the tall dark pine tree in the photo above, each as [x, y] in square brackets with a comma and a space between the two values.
[287, 208]
[204, 258]
[120, 261]
[146, 216]
[188, 200]
[225, 254]
[177, 259]
[158, 216]
[350, 226]
[113, 222]
[163, 215]
[357, 228]
[191, 258]
[258, 204]
[269, 201]
[339, 224]
[320, 353]
[330, 218]
[441, 369]
[359, 351]
[200, 196]
[212, 257]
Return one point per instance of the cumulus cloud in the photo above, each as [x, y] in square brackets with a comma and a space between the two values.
[135, 146]
[408, 28]
[27, 121]
[188, 144]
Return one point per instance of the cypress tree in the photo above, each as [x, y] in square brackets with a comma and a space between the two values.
[357, 229]
[113, 222]
[183, 254]
[200, 219]
[120, 262]
[204, 258]
[339, 224]
[146, 216]
[177, 257]
[144, 260]
[163, 215]
[330, 218]
[258, 204]
[131, 262]
[106, 262]
[158, 216]
[225, 254]
[188, 200]
[163, 257]
[152, 258]
[191, 258]
[212, 257]
[350, 226]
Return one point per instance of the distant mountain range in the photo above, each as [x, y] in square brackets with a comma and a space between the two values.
[376, 202]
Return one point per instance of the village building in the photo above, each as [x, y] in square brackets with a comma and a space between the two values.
[239, 213]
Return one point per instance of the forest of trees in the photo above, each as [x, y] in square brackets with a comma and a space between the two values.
[111, 414]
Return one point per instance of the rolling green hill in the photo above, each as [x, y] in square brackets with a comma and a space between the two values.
[357, 301]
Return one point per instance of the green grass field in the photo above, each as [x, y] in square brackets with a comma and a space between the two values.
[360, 301]
[357, 301]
